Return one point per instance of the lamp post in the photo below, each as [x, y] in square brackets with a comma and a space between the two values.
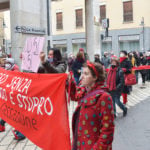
[143, 32]
[48, 24]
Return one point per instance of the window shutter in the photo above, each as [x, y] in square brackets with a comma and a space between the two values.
[128, 11]
[79, 18]
[102, 12]
[59, 24]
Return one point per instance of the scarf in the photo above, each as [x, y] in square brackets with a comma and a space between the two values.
[111, 79]
[122, 59]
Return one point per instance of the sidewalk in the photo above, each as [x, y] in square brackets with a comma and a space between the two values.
[131, 132]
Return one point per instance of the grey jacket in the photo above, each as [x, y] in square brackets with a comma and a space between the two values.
[106, 61]
[60, 67]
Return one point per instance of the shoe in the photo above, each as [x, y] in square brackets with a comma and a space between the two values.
[2, 128]
[125, 112]
[17, 136]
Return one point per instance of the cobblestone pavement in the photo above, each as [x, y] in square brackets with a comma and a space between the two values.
[131, 133]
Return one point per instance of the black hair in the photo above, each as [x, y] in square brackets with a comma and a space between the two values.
[125, 52]
[56, 55]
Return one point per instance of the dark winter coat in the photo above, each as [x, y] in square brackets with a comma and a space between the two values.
[128, 66]
[137, 61]
[119, 81]
[77, 65]
[143, 61]
[93, 126]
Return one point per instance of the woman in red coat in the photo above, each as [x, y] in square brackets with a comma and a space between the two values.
[93, 119]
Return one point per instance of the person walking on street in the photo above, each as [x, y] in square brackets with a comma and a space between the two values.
[143, 62]
[125, 64]
[115, 84]
[93, 126]
[137, 63]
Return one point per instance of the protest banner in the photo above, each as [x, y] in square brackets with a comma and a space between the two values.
[30, 54]
[143, 67]
[35, 105]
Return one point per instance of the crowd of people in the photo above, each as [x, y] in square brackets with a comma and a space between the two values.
[96, 86]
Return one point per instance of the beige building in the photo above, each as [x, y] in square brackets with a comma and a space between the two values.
[129, 25]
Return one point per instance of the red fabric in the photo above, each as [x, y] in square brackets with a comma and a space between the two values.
[130, 79]
[122, 59]
[93, 68]
[96, 127]
[124, 69]
[111, 79]
[144, 67]
[35, 105]
[81, 50]
[148, 58]
[124, 95]
[107, 70]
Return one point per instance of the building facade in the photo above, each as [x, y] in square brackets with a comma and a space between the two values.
[129, 25]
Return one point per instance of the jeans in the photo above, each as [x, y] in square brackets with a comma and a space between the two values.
[136, 74]
[116, 100]
[143, 74]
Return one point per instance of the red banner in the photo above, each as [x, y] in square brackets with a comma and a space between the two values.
[144, 67]
[35, 104]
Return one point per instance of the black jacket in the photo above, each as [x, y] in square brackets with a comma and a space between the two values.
[128, 66]
[119, 81]
[143, 61]
[77, 65]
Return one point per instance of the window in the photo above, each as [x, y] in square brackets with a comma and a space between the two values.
[79, 18]
[102, 12]
[59, 23]
[127, 11]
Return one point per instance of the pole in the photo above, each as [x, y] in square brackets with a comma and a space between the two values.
[48, 26]
[143, 38]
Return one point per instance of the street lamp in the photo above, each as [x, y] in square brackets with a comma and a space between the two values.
[48, 24]
[143, 32]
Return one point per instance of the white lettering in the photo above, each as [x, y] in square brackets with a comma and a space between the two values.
[50, 104]
[11, 98]
[20, 103]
